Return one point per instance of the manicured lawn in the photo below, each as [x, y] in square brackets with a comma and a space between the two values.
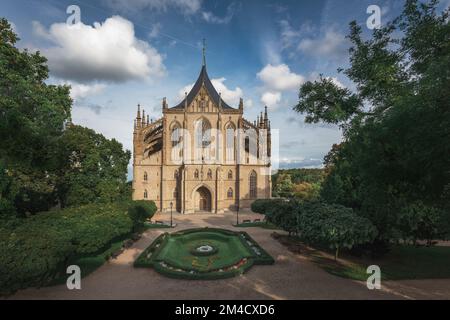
[262, 224]
[403, 262]
[203, 254]
[400, 263]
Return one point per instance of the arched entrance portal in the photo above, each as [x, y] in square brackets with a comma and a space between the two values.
[202, 199]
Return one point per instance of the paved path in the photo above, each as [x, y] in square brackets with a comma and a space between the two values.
[291, 277]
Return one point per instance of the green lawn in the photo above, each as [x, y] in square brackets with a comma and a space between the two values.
[262, 224]
[400, 263]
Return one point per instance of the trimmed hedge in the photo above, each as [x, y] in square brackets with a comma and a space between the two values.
[36, 250]
[141, 210]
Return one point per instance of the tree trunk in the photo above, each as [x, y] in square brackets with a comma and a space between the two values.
[336, 254]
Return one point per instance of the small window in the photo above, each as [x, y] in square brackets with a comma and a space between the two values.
[196, 174]
[145, 176]
[253, 185]
[230, 174]
[209, 174]
[230, 193]
[145, 194]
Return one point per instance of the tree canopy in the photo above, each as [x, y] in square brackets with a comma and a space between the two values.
[396, 122]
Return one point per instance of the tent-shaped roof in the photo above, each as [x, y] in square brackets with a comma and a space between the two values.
[202, 79]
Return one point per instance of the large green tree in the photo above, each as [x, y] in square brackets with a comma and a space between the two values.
[396, 147]
[93, 168]
[45, 160]
[32, 119]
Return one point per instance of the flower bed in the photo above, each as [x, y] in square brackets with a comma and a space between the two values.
[204, 254]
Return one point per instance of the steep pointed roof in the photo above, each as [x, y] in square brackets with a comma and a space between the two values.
[203, 78]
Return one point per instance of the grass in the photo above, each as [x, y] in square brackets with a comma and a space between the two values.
[402, 262]
[262, 224]
[174, 255]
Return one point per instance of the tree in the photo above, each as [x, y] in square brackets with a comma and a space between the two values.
[396, 122]
[283, 186]
[92, 168]
[32, 118]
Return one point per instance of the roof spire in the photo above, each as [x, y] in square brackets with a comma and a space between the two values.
[204, 53]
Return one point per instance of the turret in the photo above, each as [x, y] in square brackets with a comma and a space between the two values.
[138, 116]
[164, 103]
[241, 104]
[266, 118]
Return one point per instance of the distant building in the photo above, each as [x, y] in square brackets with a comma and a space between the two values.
[202, 155]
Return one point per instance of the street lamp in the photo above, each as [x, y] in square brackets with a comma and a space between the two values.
[237, 215]
[171, 205]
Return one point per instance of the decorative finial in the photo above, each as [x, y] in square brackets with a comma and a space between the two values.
[204, 53]
[138, 112]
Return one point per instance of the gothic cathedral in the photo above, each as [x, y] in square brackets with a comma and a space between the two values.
[202, 155]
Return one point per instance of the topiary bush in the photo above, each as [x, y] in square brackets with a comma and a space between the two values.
[141, 210]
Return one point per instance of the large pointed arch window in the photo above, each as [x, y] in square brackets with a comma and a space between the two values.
[253, 184]
[230, 142]
[202, 139]
[175, 137]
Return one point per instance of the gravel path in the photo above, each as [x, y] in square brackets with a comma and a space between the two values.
[291, 277]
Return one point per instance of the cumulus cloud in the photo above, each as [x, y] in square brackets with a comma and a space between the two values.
[230, 96]
[277, 79]
[280, 77]
[81, 91]
[271, 99]
[187, 7]
[103, 52]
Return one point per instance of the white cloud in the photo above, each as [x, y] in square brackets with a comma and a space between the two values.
[228, 95]
[271, 99]
[81, 91]
[108, 51]
[187, 7]
[331, 44]
[280, 78]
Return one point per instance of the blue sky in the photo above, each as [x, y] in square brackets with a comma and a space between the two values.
[139, 51]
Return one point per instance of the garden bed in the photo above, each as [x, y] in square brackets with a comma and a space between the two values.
[203, 254]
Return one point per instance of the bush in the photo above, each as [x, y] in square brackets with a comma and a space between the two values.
[418, 221]
[262, 206]
[141, 210]
[334, 226]
[36, 250]
[318, 223]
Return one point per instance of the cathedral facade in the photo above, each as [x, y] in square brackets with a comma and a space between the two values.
[202, 155]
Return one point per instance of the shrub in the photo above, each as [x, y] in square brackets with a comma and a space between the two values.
[263, 206]
[418, 221]
[334, 226]
[36, 250]
[141, 210]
